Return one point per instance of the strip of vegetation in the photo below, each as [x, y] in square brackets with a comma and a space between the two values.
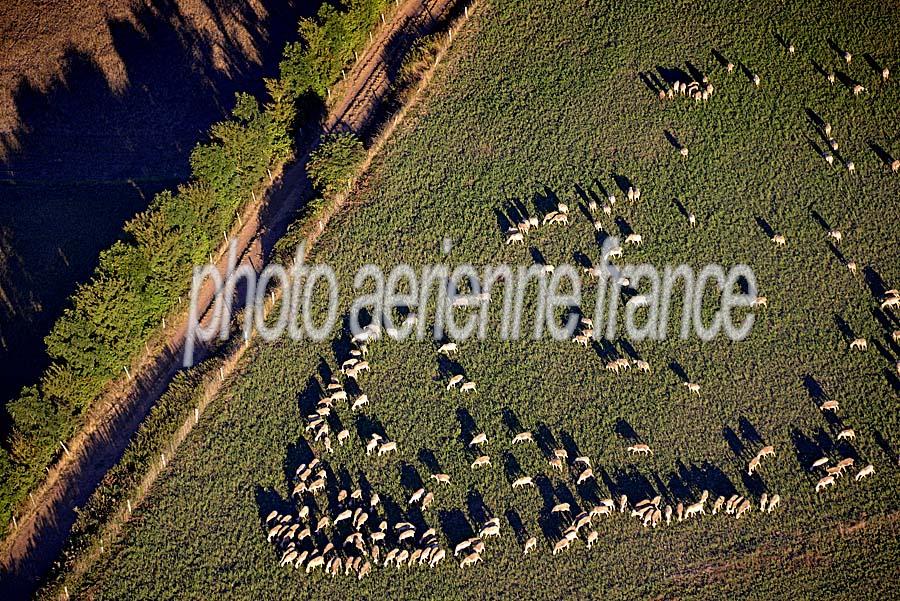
[139, 280]
[337, 160]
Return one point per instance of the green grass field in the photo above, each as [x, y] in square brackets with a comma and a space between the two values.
[533, 100]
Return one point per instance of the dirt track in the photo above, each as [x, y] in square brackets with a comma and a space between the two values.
[42, 532]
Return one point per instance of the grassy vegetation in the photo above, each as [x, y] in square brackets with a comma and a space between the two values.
[140, 280]
[534, 100]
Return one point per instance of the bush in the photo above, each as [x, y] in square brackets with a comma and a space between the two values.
[332, 163]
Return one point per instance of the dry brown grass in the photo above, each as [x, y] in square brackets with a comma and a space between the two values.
[36, 38]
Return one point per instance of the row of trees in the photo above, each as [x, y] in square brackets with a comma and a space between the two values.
[141, 277]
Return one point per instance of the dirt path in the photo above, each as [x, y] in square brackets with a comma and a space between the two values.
[29, 551]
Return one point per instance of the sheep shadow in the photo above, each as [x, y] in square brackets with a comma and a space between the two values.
[765, 227]
[626, 431]
[720, 58]
[883, 155]
[455, 525]
[515, 522]
[428, 459]
[670, 137]
[679, 371]
[467, 427]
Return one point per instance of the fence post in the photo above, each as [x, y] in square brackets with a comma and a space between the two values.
[221, 375]
[128, 504]
[127, 373]
[65, 448]
[196, 415]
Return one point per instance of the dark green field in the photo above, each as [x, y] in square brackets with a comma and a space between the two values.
[533, 100]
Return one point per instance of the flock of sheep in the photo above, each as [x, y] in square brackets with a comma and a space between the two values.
[310, 538]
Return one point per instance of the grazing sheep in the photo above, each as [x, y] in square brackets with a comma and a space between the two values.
[836, 234]
[315, 562]
[386, 448]
[585, 475]
[522, 437]
[561, 508]
[694, 508]
[791, 49]
[636, 239]
[468, 387]
[683, 151]
[833, 144]
[835, 471]
[584, 460]
[523, 481]
[851, 265]
[847, 56]
[824, 483]
[692, 219]
[462, 546]
[448, 348]
[866, 471]
[361, 400]
[640, 449]
[481, 461]
[561, 546]
[454, 381]
[557, 464]
[859, 343]
[885, 74]
[753, 466]
[530, 544]
[760, 301]
[829, 406]
[692, 387]
[642, 365]
[766, 451]
[858, 89]
[717, 506]
[562, 208]
[829, 158]
[846, 434]
[741, 509]
[514, 238]
[489, 530]
[851, 168]
[779, 240]
[891, 302]
[470, 560]
[623, 503]
[601, 510]
[831, 77]
[416, 496]
[592, 537]
[820, 462]
[756, 80]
